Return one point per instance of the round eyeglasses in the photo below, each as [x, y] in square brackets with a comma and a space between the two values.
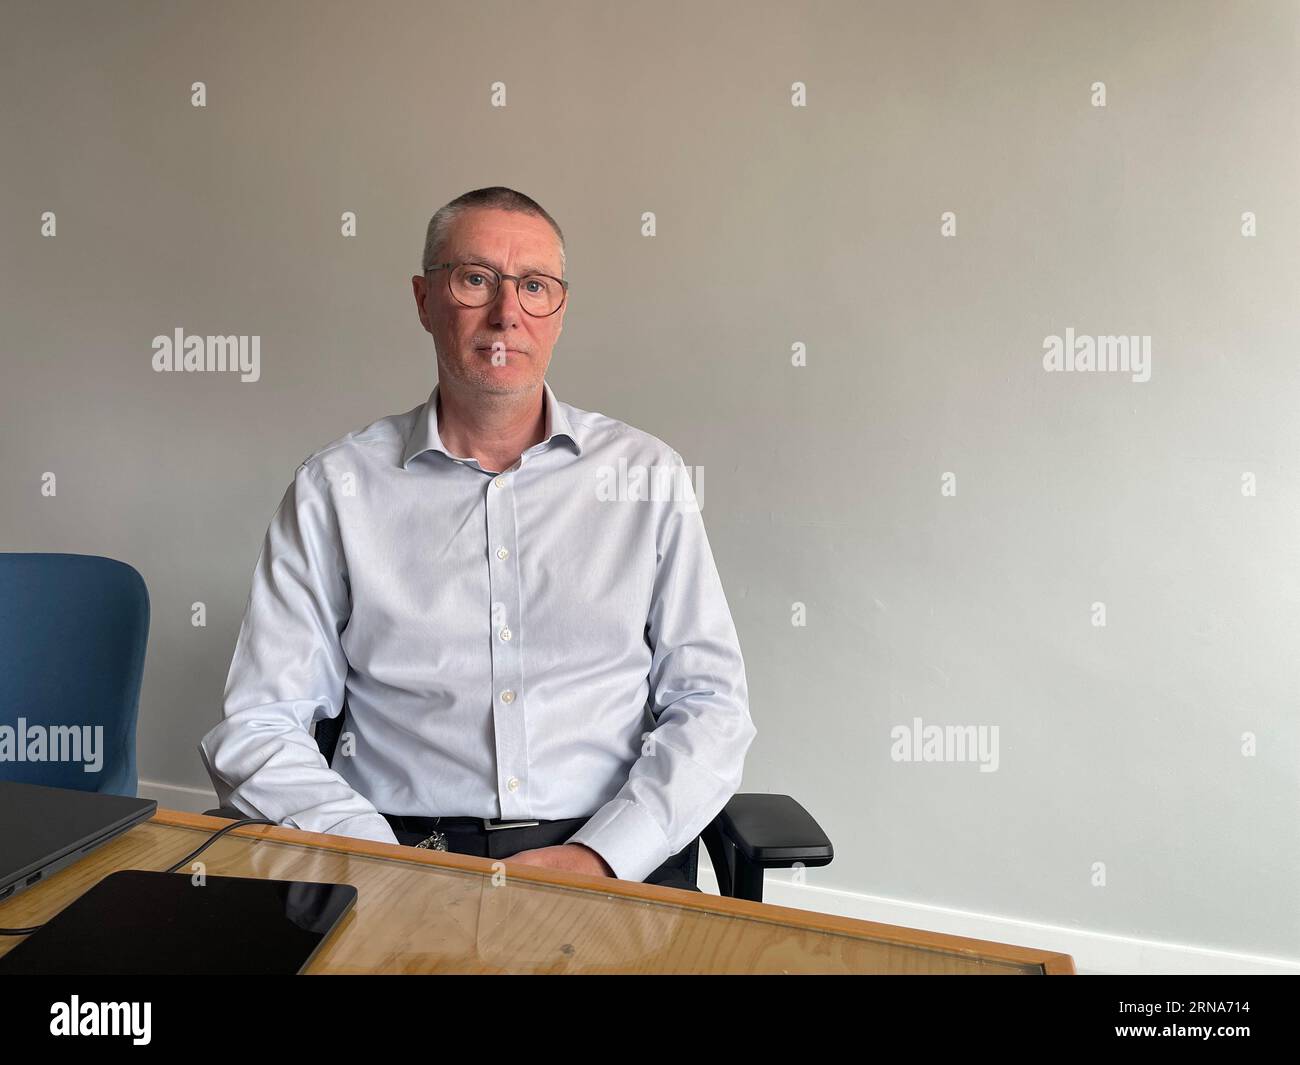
[476, 285]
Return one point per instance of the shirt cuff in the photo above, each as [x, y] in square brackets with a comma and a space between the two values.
[364, 826]
[627, 837]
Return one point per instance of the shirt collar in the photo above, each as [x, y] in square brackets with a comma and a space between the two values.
[423, 435]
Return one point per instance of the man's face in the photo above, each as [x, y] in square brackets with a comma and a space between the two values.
[470, 340]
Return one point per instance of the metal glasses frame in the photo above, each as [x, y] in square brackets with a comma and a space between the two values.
[564, 285]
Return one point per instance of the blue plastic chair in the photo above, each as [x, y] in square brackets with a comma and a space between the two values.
[73, 630]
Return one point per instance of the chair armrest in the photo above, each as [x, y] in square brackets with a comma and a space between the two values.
[774, 832]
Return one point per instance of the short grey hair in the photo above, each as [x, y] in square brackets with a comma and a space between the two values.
[498, 197]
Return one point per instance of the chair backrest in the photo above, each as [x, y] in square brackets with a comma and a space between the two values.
[327, 733]
[73, 630]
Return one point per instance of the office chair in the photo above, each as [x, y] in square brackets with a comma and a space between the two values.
[751, 834]
[73, 630]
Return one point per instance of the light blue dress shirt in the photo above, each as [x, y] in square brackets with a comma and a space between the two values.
[548, 642]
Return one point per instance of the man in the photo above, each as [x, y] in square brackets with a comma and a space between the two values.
[534, 667]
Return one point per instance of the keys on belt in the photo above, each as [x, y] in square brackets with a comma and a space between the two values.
[438, 840]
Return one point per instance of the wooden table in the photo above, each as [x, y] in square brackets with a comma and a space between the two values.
[434, 912]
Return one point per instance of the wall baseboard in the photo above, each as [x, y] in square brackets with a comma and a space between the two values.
[1094, 953]
[176, 797]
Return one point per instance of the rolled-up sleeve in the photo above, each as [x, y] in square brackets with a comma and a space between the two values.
[692, 761]
[289, 670]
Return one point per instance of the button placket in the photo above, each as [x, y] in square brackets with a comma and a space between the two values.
[507, 669]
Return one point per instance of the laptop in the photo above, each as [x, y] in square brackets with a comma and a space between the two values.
[43, 830]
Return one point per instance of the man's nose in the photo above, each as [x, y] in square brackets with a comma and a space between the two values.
[505, 304]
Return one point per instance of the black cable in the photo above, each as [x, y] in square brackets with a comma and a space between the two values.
[188, 858]
[216, 836]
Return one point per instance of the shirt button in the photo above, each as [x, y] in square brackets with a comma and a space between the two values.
[507, 696]
[505, 634]
[502, 553]
[513, 783]
[500, 482]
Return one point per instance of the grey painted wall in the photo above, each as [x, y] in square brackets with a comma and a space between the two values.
[776, 225]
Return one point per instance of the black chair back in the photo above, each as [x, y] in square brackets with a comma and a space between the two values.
[327, 734]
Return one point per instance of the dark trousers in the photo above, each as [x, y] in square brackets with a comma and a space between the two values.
[468, 836]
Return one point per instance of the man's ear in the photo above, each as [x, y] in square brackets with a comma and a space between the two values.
[417, 281]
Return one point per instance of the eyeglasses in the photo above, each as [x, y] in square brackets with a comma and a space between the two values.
[476, 285]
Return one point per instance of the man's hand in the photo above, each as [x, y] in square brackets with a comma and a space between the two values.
[572, 856]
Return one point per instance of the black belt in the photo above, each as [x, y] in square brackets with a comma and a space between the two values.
[410, 823]
[487, 833]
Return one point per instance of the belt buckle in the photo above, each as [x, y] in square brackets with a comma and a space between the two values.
[495, 824]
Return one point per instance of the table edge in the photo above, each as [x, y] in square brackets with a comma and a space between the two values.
[1051, 962]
